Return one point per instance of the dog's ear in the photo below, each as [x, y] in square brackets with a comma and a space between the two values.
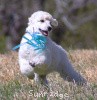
[54, 22]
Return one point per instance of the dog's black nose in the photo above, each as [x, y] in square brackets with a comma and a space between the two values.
[49, 28]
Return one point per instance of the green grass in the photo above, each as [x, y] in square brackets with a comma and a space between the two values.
[2, 44]
[8, 90]
[14, 86]
[57, 91]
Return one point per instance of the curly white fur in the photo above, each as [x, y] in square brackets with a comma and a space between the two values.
[53, 58]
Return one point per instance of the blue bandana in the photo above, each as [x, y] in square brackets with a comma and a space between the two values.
[38, 41]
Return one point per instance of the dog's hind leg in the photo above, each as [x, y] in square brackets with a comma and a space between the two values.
[41, 79]
[44, 80]
[67, 72]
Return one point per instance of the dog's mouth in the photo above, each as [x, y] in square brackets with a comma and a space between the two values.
[44, 32]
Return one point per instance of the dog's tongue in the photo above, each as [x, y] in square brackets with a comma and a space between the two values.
[45, 33]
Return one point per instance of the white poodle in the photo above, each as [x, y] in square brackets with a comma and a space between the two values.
[39, 55]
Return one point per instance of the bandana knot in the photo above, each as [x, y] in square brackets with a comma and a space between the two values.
[38, 41]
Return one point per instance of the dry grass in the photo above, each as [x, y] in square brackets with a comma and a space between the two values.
[86, 61]
[14, 86]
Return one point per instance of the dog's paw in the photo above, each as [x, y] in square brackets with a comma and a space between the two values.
[32, 64]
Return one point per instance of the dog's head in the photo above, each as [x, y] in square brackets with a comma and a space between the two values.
[41, 22]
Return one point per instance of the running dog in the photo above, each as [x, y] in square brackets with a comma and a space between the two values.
[39, 55]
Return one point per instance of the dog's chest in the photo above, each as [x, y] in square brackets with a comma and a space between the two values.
[43, 62]
[38, 57]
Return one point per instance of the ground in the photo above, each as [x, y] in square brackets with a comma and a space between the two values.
[14, 86]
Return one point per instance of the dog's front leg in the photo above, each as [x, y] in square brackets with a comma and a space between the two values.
[37, 78]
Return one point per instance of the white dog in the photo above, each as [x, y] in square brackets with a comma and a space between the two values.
[40, 55]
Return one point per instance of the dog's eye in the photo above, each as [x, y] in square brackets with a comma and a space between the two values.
[42, 21]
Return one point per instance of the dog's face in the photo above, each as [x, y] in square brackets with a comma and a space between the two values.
[42, 22]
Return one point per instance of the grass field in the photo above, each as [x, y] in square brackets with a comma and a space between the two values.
[14, 86]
